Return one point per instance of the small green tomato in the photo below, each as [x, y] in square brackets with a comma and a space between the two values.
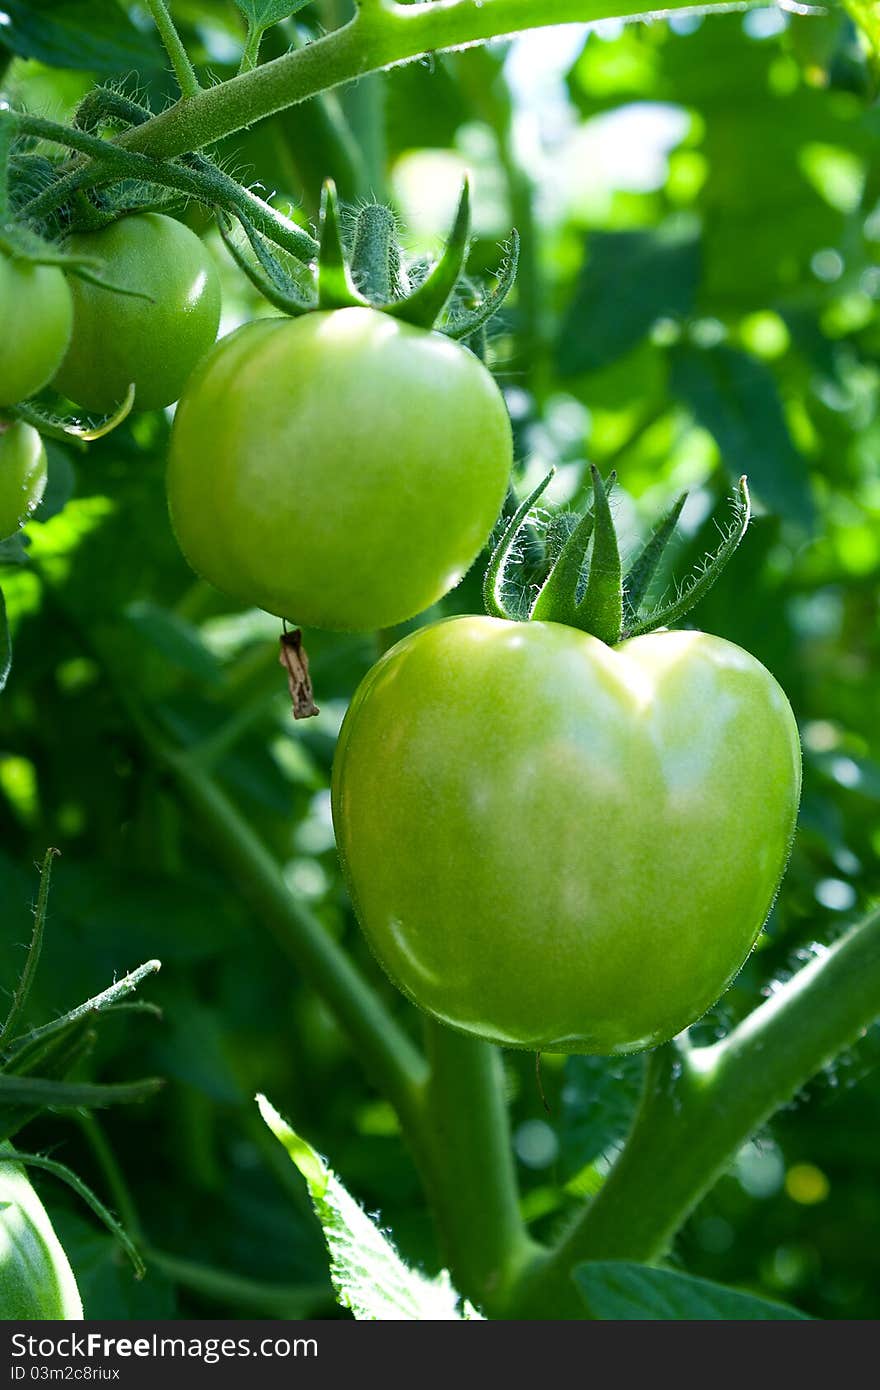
[154, 342]
[36, 313]
[342, 469]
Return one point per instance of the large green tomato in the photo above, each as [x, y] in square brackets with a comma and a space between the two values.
[342, 469]
[35, 314]
[22, 475]
[560, 845]
[154, 342]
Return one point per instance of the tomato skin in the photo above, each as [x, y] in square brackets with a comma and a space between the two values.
[36, 1280]
[22, 475]
[155, 342]
[35, 300]
[342, 470]
[557, 845]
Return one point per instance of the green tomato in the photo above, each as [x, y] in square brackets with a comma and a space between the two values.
[22, 475]
[559, 845]
[154, 342]
[36, 313]
[342, 469]
[36, 1281]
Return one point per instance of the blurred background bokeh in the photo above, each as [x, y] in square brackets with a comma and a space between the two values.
[699, 297]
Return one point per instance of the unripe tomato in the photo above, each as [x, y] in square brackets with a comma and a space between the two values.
[22, 474]
[35, 314]
[555, 844]
[36, 1281]
[342, 470]
[155, 343]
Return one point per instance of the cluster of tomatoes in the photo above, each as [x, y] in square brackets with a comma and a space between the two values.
[549, 842]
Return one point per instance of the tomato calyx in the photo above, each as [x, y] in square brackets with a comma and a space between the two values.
[374, 273]
[70, 429]
[586, 586]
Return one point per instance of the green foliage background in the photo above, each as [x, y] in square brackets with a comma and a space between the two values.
[699, 292]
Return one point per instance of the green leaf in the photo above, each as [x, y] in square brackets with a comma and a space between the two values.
[618, 1290]
[178, 642]
[261, 14]
[735, 397]
[90, 35]
[630, 280]
[368, 1275]
[5, 645]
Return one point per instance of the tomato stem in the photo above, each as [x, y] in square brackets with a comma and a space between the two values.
[173, 44]
[701, 1104]
[471, 1177]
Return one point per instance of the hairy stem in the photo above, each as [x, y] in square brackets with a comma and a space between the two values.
[378, 37]
[183, 68]
[200, 180]
[701, 1104]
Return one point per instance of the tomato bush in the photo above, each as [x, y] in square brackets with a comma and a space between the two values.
[558, 845]
[37, 312]
[154, 340]
[342, 469]
[23, 470]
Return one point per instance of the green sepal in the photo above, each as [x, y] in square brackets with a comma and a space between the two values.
[85, 1193]
[270, 277]
[70, 430]
[493, 582]
[336, 289]
[600, 611]
[560, 596]
[425, 305]
[644, 567]
[702, 581]
[466, 324]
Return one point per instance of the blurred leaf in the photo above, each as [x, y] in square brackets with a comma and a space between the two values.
[108, 1286]
[196, 1048]
[93, 35]
[261, 13]
[178, 642]
[368, 1274]
[618, 1290]
[60, 481]
[630, 280]
[735, 397]
[599, 1098]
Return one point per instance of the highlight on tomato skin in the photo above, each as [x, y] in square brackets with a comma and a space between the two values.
[558, 845]
[23, 474]
[350, 478]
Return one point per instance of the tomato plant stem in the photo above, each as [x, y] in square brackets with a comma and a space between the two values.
[701, 1104]
[471, 1179]
[183, 68]
[378, 37]
[388, 1055]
